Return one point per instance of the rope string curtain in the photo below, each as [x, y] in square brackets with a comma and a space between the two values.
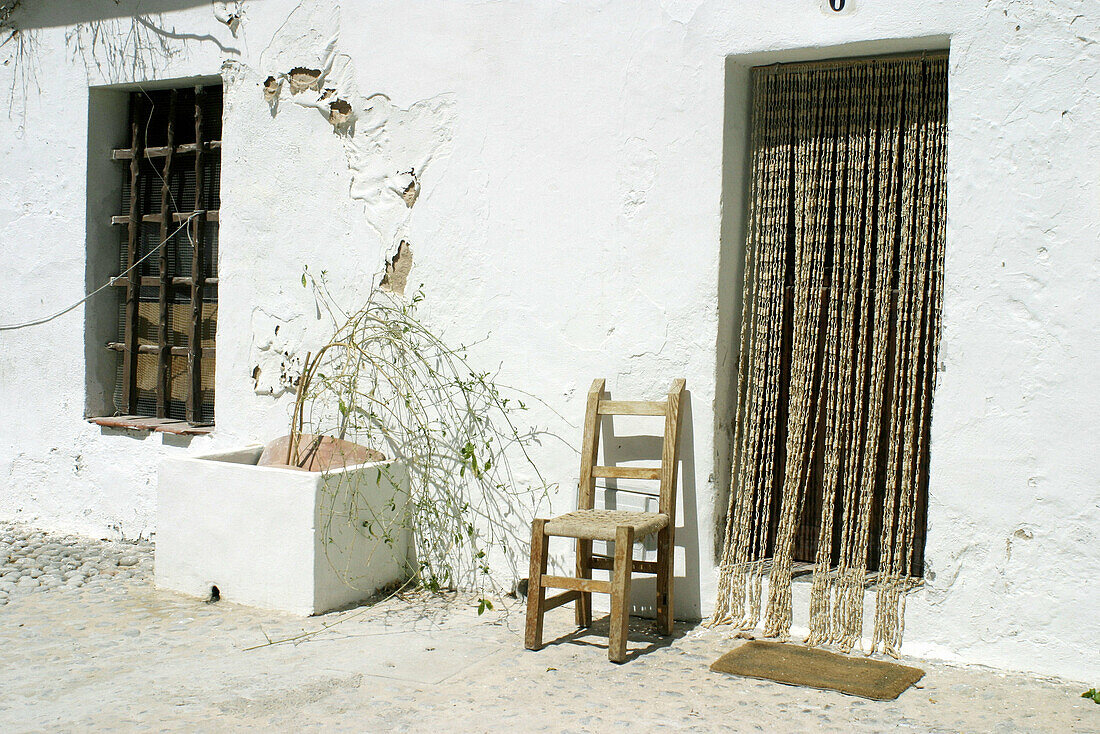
[839, 333]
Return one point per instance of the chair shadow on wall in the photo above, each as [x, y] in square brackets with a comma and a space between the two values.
[628, 439]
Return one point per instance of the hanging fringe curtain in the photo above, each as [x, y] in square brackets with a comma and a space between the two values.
[839, 333]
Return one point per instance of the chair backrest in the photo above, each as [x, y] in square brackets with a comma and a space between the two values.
[670, 450]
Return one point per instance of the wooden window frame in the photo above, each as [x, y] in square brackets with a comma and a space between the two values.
[166, 160]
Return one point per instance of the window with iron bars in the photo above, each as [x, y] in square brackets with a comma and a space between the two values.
[168, 258]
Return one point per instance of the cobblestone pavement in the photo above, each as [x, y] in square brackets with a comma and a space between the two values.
[34, 561]
[110, 652]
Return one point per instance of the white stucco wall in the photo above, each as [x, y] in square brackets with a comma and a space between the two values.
[581, 169]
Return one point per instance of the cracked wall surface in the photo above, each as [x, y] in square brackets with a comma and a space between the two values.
[568, 176]
[389, 149]
[276, 355]
[388, 152]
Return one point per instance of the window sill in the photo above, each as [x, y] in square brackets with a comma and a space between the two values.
[156, 425]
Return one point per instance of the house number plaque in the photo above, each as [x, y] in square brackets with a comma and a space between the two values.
[837, 7]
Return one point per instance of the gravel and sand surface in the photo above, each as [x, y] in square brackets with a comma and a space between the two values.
[89, 644]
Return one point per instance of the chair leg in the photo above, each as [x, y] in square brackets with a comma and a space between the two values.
[536, 592]
[583, 605]
[620, 593]
[665, 556]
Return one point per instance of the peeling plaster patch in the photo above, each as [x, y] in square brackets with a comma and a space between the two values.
[303, 79]
[397, 270]
[303, 51]
[339, 114]
[338, 85]
[412, 191]
[272, 87]
[276, 354]
[392, 140]
[229, 13]
[1021, 533]
[388, 148]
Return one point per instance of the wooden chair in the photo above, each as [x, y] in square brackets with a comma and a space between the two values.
[621, 527]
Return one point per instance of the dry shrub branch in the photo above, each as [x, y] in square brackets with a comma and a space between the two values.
[387, 381]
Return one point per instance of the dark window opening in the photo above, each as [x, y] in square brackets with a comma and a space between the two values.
[168, 255]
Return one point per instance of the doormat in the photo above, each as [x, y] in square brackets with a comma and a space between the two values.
[806, 666]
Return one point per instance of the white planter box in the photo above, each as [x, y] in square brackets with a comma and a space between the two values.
[280, 538]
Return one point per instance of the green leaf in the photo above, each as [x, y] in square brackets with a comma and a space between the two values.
[303, 280]
[1092, 693]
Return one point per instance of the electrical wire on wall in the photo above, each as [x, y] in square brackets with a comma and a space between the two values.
[51, 317]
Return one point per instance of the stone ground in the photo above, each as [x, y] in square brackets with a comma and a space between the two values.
[88, 644]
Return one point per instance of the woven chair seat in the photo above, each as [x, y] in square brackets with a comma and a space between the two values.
[602, 524]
